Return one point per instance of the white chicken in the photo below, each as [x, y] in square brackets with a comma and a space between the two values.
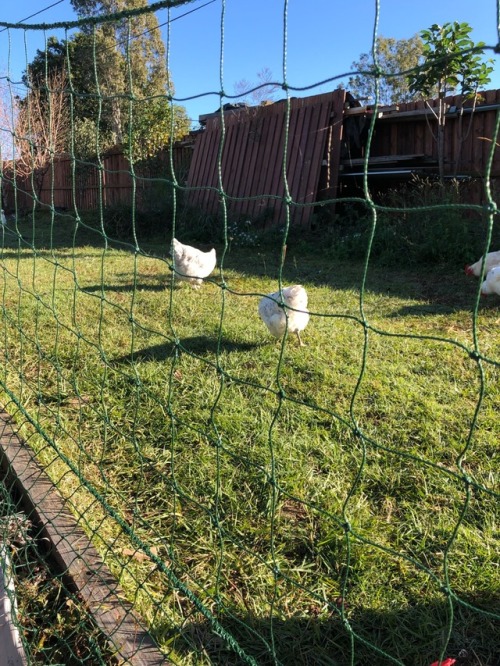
[491, 284]
[192, 264]
[492, 259]
[273, 314]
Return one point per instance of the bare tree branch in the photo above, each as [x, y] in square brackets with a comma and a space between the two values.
[41, 128]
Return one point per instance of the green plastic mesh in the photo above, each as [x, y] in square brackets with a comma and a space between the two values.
[257, 504]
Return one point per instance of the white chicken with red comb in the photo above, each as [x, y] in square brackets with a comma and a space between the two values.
[492, 259]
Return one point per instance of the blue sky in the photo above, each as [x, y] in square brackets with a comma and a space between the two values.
[324, 37]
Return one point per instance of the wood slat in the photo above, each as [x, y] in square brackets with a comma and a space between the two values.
[246, 179]
[253, 154]
[73, 553]
[252, 158]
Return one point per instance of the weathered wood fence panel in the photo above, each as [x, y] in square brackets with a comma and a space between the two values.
[67, 184]
[468, 136]
[324, 141]
[251, 151]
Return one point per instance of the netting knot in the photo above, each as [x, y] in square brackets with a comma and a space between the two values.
[281, 393]
[474, 355]
[491, 207]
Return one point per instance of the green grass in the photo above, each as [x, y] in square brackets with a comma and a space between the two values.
[329, 504]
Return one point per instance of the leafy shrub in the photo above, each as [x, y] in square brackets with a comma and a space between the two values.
[417, 223]
[194, 225]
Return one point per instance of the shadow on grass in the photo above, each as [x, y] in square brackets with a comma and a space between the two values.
[433, 309]
[197, 345]
[412, 636]
[444, 285]
[123, 288]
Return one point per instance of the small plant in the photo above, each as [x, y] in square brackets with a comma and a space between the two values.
[240, 234]
[418, 222]
[451, 62]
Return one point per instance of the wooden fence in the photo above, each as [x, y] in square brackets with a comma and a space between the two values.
[252, 165]
[403, 143]
[66, 185]
[327, 146]
[326, 139]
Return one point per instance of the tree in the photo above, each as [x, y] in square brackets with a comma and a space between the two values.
[394, 56]
[153, 126]
[88, 66]
[41, 127]
[451, 62]
[130, 55]
[265, 90]
[137, 39]
[117, 72]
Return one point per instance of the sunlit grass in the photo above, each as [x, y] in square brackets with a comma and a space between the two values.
[303, 495]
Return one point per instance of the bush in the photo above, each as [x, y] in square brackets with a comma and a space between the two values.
[119, 222]
[431, 228]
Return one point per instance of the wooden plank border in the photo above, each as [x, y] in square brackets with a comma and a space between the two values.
[73, 553]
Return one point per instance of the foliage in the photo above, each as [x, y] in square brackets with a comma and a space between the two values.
[451, 62]
[88, 140]
[93, 68]
[153, 124]
[137, 39]
[119, 82]
[437, 235]
[394, 56]
[240, 233]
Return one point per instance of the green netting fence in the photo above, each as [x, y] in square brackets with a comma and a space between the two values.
[178, 487]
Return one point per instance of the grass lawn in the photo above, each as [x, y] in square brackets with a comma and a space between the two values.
[330, 504]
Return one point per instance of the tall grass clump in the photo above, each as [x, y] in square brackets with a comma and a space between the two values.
[421, 222]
